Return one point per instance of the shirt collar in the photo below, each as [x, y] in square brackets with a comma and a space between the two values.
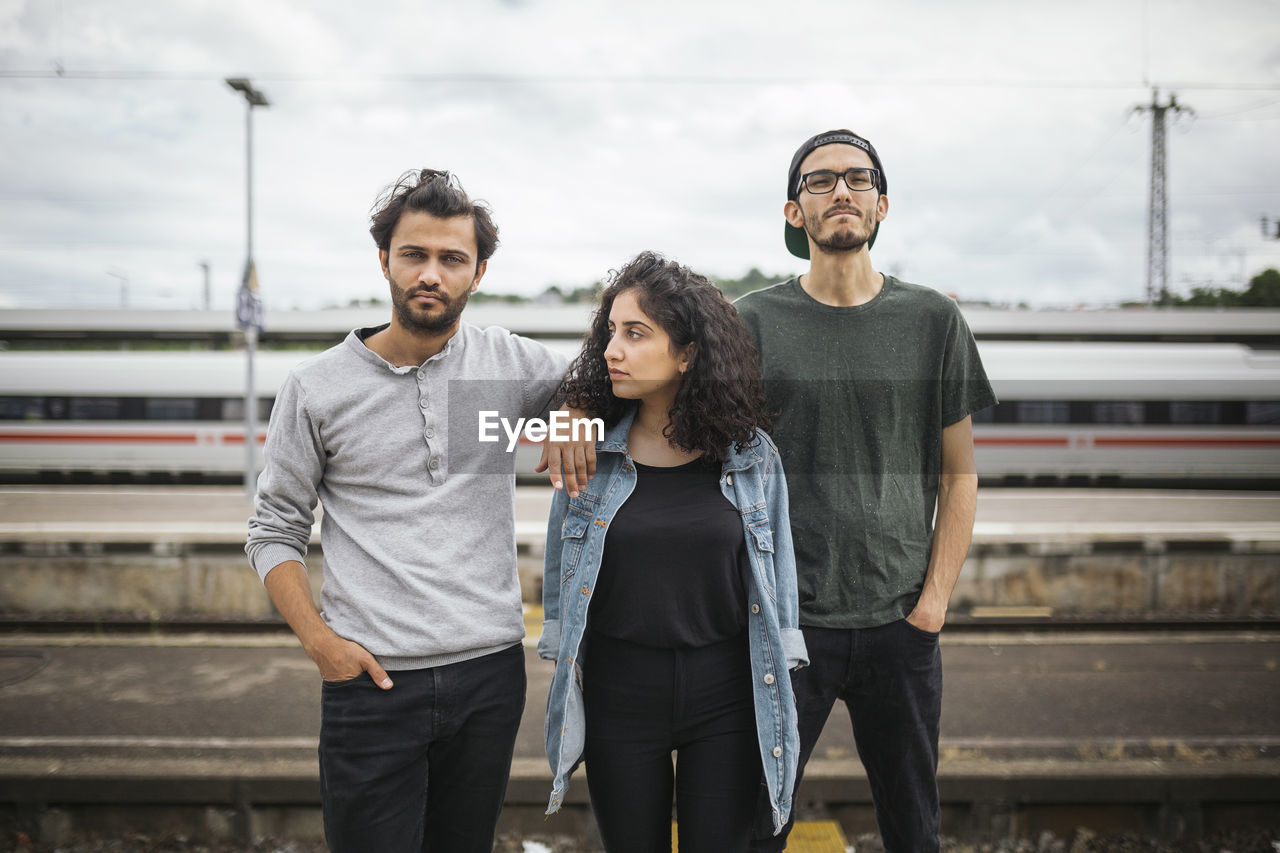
[355, 341]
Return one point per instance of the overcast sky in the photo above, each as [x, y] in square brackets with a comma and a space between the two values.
[1016, 170]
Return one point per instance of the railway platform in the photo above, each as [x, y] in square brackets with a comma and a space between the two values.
[1030, 516]
[1171, 734]
[166, 553]
[1168, 733]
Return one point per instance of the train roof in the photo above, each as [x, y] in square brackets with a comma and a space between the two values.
[1036, 370]
[1018, 370]
[1257, 327]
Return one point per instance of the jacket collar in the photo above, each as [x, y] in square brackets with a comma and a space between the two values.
[615, 437]
[615, 441]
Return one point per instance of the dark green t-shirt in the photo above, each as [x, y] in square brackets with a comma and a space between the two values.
[861, 395]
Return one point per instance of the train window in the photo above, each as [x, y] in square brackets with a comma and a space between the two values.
[1195, 412]
[171, 408]
[1004, 413]
[1043, 412]
[209, 409]
[21, 408]
[1262, 412]
[95, 408]
[1136, 412]
[1118, 412]
[233, 408]
[133, 408]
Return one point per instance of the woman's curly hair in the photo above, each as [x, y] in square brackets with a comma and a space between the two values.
[720, 401]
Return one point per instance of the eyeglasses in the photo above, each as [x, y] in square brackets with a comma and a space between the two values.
[823, 181]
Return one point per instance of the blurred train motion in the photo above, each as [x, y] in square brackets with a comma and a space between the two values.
[1173, 414]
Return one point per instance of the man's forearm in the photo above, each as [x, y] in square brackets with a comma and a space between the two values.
[290, 591]
[953, 530]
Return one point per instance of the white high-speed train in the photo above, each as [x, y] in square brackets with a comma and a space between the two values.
[1070, 412]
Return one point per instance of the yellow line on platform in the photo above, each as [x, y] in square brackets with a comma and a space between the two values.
[532, 625]
[807, 836]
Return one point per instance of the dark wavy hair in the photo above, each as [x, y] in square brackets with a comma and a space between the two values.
[720, 401]
[437, 193]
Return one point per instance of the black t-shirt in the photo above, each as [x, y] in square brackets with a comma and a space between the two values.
[672, 573]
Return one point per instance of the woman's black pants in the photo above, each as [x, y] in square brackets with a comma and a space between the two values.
[643, 703]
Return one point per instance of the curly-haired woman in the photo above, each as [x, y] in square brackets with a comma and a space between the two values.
[669, 589]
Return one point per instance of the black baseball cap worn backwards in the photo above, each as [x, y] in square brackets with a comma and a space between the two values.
[797, 242]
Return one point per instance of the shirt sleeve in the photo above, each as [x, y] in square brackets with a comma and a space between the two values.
[543, 368]
[284, 506]
[965, 387]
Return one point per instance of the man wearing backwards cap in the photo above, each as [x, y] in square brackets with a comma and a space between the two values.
[875, 380]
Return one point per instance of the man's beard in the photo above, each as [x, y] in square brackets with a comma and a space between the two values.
[429, 323]
[840, 240]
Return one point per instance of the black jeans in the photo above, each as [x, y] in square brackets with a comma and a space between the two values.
[890, 677]
[422, 766]
[644, 702]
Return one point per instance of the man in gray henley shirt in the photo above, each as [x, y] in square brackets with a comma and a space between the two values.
[419, 644]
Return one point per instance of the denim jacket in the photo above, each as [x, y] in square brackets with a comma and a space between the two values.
[752, 480]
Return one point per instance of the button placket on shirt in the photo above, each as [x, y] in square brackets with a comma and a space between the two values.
[428, 428]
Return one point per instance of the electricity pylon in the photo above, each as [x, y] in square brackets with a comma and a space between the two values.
[1157, 223]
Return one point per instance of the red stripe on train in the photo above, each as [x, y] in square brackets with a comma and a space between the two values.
[1022, 441]
[1190, 441]
[116, 438]
[99, 438]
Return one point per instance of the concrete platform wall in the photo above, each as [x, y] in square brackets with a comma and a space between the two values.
[1213, 582]
[88, 581]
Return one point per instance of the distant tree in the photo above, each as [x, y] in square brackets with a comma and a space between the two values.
[1208, 297]
[484, 296]
[732, 288]
[1263, 292]
[589, 294]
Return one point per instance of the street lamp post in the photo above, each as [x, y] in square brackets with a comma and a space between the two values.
[208, 292]
[248, 305]
[124, 286]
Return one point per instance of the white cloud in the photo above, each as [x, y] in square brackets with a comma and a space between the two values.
[597, 131]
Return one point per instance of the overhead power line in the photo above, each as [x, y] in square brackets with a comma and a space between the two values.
[67, 74]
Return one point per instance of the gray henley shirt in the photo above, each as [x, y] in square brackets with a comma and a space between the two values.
[419, 528]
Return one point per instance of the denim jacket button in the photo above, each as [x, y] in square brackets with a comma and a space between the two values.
[777, 752]
[728, 479]
[755, 608]
[768, 678]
